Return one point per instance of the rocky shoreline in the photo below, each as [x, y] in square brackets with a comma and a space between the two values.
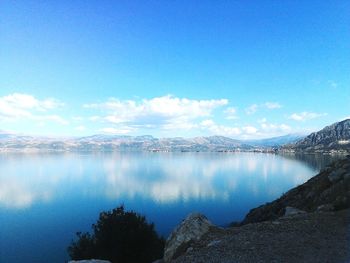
[307, 237]
[327, 191]
[310, 223]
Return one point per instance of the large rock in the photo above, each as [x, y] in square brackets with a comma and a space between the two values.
[325, 208]
[89, 261]
[189, 231]
[291, 211]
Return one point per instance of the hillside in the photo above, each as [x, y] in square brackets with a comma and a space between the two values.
[276, 141]
[12, 142]
[311, 237]
[309, 223]
[328, 190]
[331, 139]
[105, 143]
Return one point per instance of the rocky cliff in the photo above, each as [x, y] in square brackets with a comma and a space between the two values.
[333, 138]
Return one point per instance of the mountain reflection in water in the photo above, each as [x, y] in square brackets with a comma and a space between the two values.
[161, 177]
[51, 196]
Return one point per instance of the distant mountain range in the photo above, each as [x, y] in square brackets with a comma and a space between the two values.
[277, 141]
[333, 138]
[13, 142]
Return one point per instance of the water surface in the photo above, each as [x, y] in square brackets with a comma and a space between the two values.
[46, 198]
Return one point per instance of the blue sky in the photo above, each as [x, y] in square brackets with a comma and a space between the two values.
[243, 69]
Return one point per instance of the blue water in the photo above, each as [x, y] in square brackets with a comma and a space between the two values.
[46, 198]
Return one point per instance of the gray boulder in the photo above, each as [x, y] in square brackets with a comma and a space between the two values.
[325, 208]
[190, 230]
[291, 211]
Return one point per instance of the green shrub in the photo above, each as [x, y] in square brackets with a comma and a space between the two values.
[121, 237]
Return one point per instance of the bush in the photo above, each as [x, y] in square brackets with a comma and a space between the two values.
[121, 237]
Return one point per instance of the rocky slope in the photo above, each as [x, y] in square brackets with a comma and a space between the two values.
[329, 190]
[309, 237]
[310, 223]
[333, 138]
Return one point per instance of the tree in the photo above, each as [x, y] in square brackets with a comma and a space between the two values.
[121, 237]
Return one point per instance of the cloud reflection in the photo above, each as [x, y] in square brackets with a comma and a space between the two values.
[159, 177]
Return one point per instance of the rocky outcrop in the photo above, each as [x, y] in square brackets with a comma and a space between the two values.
[327, 191]
[292, 211]
[306, 237]
[307, 224]
[189, 231]
[333, 138]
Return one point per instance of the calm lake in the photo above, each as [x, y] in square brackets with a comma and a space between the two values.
[46, 198]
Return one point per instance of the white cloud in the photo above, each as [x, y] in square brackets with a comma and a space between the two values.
[274, 129]
[284, 127]
[95, 118]
[231, 113]
[272, 105]
[20, 101]
[216, 129]
[77, 118]
[19, 106]
[251, 109]
[250, 130]
[119, 130]
[51, 103]
[80, 128]
[304, 116]
[263, 120]
[265, 130]
[168, 106]
[54, 118]
[207, 123]
[178, 123]
[167, 112]
[267, 105]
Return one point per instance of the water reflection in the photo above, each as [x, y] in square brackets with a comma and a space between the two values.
[314, 161]
[160, 177]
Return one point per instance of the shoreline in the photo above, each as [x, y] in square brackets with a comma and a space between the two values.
[309, 223]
